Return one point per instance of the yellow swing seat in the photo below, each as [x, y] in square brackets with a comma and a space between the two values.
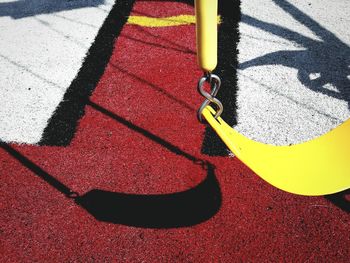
[317, 167]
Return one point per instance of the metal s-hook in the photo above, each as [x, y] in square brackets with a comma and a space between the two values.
[210, 98]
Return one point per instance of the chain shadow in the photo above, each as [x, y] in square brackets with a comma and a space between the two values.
[159, 89]
[180, 209]
[322, 63]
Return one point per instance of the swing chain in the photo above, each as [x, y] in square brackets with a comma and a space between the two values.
[215, 84]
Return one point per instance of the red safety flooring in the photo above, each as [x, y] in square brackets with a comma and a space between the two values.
[145, 195]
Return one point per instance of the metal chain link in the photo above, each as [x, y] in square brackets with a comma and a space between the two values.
[215, 84]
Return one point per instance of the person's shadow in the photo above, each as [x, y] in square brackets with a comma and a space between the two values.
[322, 63]
[26, 8]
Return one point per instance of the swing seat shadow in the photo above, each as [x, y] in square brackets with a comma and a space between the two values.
[180, 209]
[174, 210]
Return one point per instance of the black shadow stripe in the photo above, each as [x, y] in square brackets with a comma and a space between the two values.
[63, 123]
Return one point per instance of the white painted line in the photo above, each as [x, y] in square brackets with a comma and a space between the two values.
[42, 46]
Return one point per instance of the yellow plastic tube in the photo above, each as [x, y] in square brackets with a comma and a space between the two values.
[206, 33]
[317, 167]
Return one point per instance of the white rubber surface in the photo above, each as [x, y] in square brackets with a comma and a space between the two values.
[42, 46]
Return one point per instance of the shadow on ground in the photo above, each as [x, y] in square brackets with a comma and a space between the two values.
[323, 63]
[27, 8]
[323, 66]
[179, 209]
[186, 208]
[203, 201]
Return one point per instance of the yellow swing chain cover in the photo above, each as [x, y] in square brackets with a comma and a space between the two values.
[206, 33]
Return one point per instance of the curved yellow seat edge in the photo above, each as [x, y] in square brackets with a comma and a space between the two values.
[317, 167]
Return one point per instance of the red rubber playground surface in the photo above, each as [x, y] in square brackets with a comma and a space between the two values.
[133, 186]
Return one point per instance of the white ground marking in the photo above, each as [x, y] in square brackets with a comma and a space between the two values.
[300, 89]
[42, 46]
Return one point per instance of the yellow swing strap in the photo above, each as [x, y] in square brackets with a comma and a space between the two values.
[317, 167]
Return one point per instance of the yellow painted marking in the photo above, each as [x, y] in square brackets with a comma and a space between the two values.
[179, 20]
